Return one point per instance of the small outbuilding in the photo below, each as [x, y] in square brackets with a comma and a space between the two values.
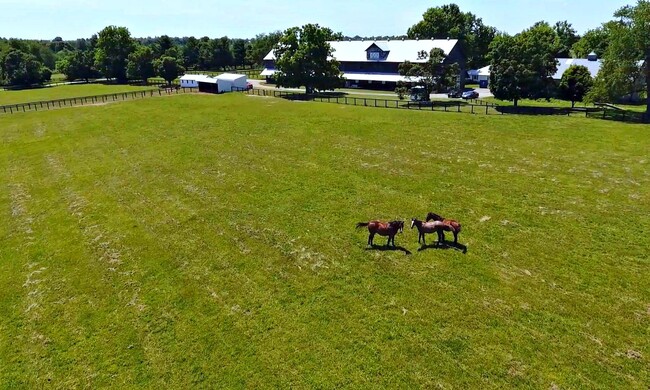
[229, 82]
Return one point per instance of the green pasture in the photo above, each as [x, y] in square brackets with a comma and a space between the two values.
[204, 241]
[63, 92]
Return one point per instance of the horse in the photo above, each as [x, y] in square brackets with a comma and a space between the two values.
[428, 227]
[449, 225]
[389, 229]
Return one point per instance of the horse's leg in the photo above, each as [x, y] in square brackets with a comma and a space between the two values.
[455, 237]
[424, 239]
[371, 237]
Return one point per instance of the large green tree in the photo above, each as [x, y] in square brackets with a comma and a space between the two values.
[448, 21]
[191, 53]
[595, 40]
[432, 74]
[575, 83]
[305, 58]
[239, 52]
[77, 64]
[20, 68]
[522, 66]
[261, 45]
[140, 63]
[625, 68]
[169, 68]
[114, 44]
[566, 38]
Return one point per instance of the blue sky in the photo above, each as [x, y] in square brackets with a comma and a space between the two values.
[70, 19]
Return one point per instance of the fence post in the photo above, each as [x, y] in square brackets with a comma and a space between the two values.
[471, 105]
[458, 107]
[486, 109]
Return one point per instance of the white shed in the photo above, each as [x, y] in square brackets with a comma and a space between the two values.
[228, 82]
[192, 80]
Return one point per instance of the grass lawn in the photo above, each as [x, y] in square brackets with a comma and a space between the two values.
[203, 241]
[64, 91]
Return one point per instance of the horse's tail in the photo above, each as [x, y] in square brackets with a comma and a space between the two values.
[362, 224]
[458, 227]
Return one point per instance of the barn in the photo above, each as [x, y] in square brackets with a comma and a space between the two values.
[375, 64]
[208, 85]
[229, 82]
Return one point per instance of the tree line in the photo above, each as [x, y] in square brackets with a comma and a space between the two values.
[113, 53]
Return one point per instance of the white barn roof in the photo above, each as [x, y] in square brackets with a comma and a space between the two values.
[398, 51]
[230, 76]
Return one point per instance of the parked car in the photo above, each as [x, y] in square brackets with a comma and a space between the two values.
[454, 93]
[249, 86]
[470, 95]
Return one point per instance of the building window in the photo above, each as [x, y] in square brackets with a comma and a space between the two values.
[374, 55]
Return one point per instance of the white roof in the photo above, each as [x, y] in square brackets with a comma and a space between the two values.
[194, 77]
[388, 77]
[230, 76]
[484, 71]
[378, 77]
[564, 63]
[399, 51]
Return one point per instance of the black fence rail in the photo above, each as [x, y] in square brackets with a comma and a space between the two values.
[471, 106]
[619, 115]
[90, 100]
[482, 107]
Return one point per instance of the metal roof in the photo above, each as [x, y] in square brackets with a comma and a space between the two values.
[230, 76]
[194, 77]
[564, 63]
[399, 51]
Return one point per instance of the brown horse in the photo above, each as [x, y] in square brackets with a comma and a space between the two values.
[449, 225]
[389, 229]
[428, 227]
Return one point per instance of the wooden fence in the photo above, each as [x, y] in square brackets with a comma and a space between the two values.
[89, 100]
[619, 115]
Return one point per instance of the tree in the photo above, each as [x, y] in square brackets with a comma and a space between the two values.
[566, 38]
[19, 68]
[576, 82]
[191, 52]
[432, 74]
[77, 64]
[448, 21]
[114, 44]
[261, 45]
[523, 66]
[595, 40]
[305, 58]
[169, 68]
[239, 52]
[221, 54]
[140, 64]
[625, 67]
[163, 45]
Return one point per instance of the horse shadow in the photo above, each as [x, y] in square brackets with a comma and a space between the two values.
[384, 248]
[446, 245]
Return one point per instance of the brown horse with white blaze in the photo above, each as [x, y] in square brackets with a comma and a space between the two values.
[389, 229]
[449, 225]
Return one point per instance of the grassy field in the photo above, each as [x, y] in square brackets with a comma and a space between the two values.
[63, 91]
[208, 241]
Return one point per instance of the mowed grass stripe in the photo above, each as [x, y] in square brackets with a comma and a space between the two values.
[286, 293]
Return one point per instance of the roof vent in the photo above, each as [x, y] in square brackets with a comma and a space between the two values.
[417, 39]
[447, 38]
[592, 56]
[388, 40]
[402, 38]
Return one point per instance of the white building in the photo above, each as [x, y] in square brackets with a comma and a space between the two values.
[228, 82]
[478, 75]
[375, 64]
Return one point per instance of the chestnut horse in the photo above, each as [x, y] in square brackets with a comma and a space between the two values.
[428, 227]
[449, 225]
[389, 229]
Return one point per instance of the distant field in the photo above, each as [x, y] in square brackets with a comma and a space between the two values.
[63, 91]
[203, 241]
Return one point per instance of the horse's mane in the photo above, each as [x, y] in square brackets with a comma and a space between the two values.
[434, 216]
